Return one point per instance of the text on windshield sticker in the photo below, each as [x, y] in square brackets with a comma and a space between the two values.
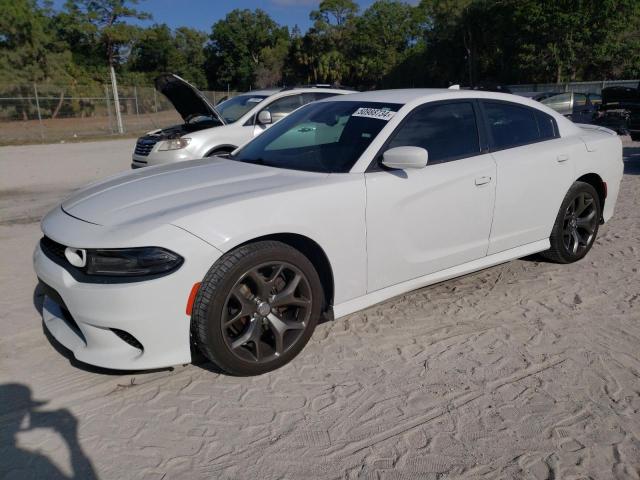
[378, 113]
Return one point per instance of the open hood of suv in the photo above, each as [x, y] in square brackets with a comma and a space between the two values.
[187, 99]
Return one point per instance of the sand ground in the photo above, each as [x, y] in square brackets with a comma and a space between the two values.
[524, 370]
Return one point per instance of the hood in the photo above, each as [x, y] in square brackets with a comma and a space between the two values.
[187, 99]
[620, 95]
[162, 194]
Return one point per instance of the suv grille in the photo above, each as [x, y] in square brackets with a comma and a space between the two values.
[144, 146]
[53, 250]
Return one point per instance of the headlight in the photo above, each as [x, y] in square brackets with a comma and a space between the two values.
[132, 262]
[174, 144]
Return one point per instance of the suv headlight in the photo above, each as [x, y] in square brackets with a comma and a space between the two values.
[131, 262]
[174, 144]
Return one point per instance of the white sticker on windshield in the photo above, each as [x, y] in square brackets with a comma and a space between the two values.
[254, 100]
[379, 113]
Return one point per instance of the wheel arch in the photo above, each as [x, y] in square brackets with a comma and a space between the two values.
[310, 249]
[596, 182]
[221, 148]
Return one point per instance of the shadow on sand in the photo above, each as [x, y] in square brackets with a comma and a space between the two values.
[20, 413]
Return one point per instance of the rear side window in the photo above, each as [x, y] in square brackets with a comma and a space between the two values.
[513, 125]
[447, 131]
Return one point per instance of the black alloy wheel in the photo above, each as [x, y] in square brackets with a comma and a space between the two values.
[257, 308]
[576, 225]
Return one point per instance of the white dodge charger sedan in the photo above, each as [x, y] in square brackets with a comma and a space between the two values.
[343, 204]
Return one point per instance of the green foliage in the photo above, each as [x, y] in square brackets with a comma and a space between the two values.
[160, 50]
[244, 45]
[389, 44]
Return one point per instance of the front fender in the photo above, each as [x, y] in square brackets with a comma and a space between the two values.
[332, 214]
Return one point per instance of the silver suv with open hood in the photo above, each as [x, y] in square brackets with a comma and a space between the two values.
[213, 130]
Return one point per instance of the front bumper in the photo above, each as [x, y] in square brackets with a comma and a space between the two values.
[89, 318]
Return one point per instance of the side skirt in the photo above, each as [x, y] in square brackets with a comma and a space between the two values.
[381, 295]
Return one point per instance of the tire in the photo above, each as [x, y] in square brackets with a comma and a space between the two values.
[576, 225]
[635, 136]
[257, 308]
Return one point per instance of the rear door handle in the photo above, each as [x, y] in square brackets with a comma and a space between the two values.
[563, 157]
[482, 180]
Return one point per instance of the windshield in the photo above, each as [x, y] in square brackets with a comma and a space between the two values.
[320, 137]
[232, 109]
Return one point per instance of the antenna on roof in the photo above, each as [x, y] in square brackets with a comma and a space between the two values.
[454, 87]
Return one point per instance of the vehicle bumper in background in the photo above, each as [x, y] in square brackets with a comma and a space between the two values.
[161, 157]
[127, 326]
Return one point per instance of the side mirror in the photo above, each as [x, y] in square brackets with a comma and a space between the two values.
[405, 157]
[264, 117]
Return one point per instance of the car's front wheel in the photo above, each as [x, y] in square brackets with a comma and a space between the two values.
[257, 307]
[576, 225]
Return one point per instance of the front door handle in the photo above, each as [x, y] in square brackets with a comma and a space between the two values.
[482, 180]
[563, 157]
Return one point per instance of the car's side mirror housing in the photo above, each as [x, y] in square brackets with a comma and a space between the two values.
[405, 157]
[264, 117]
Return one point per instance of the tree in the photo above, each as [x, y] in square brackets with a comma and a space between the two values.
[151, 52]
[240, 43]
[381, 40]
[29, 49]
[187, 57]
[104, 23]
[328, 43]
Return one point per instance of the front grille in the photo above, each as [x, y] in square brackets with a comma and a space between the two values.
[128, 338]
[144, 146]
[53, 250]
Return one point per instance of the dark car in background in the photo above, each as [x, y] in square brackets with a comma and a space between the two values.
[620, 110]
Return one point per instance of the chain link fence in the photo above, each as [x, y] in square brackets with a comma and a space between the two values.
[580, 87]
[44, 113]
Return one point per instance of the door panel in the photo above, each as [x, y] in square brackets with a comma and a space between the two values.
[532, 182]
[420, 221]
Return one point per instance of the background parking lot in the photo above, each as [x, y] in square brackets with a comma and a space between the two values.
[524, 370]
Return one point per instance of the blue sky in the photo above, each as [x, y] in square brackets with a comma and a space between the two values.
[201, 14]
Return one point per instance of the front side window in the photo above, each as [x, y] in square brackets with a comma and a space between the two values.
[324, 137]
[447, 131]
[234, 108]
[511, 124]
[283, 106]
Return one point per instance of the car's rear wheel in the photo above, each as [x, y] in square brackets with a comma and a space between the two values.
[257, 308]
[576, 225]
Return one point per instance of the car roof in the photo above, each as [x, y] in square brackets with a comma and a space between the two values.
[404, 95]
[272, 91]
[412, 97]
